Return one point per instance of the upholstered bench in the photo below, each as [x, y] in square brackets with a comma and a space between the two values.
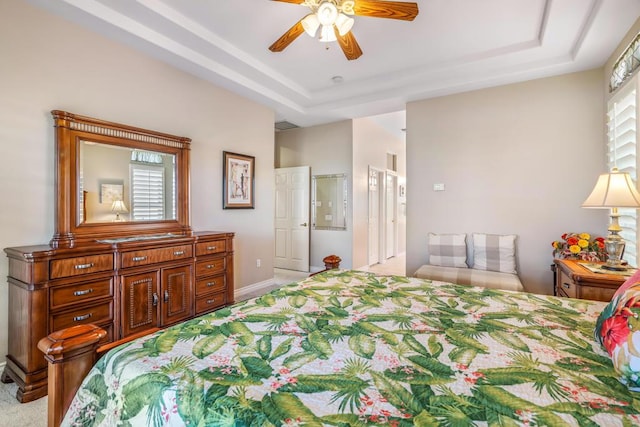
[490, 262]
[471, 276]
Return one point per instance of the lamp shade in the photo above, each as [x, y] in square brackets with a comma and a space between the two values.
[119, 206]
[344, 24]
[327, 34]
[613, 190]
[310, 24]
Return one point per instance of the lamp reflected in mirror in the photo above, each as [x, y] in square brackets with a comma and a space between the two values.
[119, 207]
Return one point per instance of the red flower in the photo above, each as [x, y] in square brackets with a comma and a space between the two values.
[572, 241]
[600, 240]
[564, 236]
[615, 331]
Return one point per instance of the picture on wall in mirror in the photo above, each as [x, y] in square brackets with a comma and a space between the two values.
[111, 191]
[238, 181]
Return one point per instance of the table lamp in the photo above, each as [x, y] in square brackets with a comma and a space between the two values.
[117, 207]
[614, 190]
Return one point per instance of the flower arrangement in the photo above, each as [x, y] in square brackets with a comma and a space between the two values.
[579, 246]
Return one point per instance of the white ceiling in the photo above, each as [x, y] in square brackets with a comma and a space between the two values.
[452, 46]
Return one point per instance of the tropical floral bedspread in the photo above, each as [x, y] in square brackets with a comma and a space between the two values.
[347, 348]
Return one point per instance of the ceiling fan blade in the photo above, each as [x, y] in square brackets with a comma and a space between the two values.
[291, 1]
[349, 45]
[288, 37]
[406, 11]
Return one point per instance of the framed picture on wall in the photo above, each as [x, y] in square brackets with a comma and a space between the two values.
[111, 190]
[238, 181]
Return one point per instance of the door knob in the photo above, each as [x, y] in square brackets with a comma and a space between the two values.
[304, 224]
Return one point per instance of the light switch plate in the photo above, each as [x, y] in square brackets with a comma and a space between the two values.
[438, 187]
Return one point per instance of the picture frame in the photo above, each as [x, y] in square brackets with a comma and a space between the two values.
[111, 190]
[238, 181]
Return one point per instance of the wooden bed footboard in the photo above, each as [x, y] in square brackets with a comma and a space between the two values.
[71, 353]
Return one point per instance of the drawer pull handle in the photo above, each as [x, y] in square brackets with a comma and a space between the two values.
[211, 301]
[211, 265]
[83, 266]
[178, 253]
[211, 248]
[81, 318]
[166, 296]
[138, 258]
[155, 299]
[84, 292]
[209, 284]
[566, 285]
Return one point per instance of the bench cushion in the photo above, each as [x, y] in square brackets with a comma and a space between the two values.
[470, 276]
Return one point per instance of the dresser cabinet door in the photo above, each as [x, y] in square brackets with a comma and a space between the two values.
[140, 302]
[177, 294]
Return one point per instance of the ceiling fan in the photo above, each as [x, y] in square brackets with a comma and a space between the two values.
[331, 19]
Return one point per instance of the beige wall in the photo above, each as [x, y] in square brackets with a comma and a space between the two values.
[371, 143]
[327, 150]
[48, 63]
[515, 159]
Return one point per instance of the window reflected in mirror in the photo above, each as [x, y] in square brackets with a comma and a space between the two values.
[329, 204]
[121, 184]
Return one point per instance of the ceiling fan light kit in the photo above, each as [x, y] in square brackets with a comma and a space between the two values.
[331, 17]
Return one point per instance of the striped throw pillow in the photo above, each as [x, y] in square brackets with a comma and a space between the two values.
[448, 250]
[494, 252]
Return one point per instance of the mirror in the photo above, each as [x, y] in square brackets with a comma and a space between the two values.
[117, 181]
[119, 184]
[329, 205]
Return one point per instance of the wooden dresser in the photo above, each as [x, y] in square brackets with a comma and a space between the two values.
[573, 280]
[126, 286]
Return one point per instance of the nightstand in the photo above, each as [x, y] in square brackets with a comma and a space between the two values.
[574, 280]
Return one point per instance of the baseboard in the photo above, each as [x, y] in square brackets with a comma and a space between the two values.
[260, 287]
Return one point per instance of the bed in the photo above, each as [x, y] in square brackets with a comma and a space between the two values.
[349, 348]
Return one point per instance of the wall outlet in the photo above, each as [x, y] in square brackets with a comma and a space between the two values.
[258, 262]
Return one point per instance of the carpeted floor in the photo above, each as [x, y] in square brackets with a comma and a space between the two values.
[13, 413]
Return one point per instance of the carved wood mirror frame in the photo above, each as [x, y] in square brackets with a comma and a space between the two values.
[70, 130]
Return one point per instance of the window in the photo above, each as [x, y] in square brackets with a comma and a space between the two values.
[147, 192]
[622, 118]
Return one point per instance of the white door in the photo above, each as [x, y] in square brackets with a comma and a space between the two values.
[391, 213]
[292, 218]
[374, 215]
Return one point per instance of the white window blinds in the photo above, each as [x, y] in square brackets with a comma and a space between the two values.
[147, 192]
[622, 119]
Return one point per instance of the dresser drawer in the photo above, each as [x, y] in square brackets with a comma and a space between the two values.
[80, 265]
[211, 284]
[92, 314]
[64, 295]
[209, 267]
[153, 256]
[210, 302]
[213, 247]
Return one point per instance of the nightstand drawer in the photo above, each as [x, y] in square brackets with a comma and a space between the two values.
[566, 286]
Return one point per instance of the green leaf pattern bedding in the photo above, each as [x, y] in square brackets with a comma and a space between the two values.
[348, 348]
